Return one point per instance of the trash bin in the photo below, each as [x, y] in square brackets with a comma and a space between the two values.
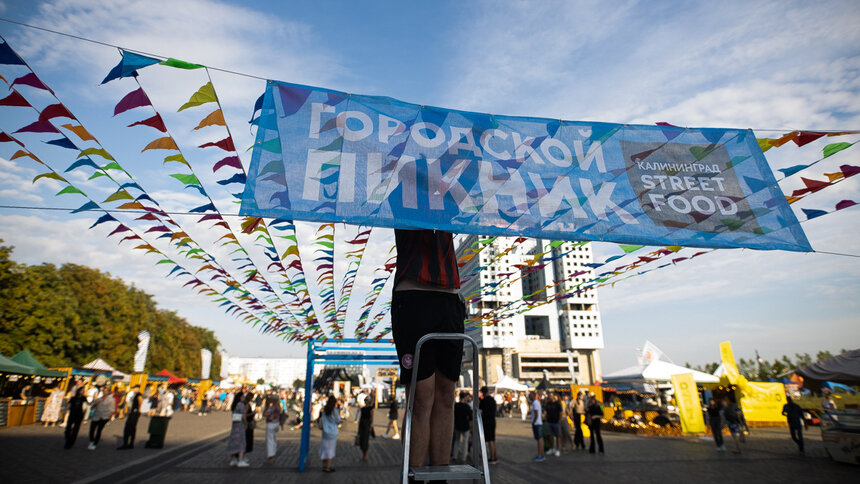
[157, 431]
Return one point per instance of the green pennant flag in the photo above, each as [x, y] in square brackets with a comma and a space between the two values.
[834, 148]
[96, 151]
[179, 64]
[205, 94]
[188, 179]
[70, 189]
[629, 248]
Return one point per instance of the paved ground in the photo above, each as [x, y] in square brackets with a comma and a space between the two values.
[195, 452]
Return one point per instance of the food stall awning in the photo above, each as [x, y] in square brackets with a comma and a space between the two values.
[657, 370]
[25, 358]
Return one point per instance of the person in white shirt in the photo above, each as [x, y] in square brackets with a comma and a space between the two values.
[103, 408]
[537, 425]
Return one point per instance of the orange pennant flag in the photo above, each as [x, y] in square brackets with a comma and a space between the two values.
[791, 199]
[215, 118]
[165, 143]
[131, 205]
[82, 132]
[834, 176]
[22, 153]
[784, 139]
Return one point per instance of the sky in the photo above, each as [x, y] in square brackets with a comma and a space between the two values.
[769, 66]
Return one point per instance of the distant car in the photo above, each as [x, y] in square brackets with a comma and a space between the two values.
[811, 417]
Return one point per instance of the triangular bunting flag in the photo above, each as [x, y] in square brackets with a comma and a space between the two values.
[86, 207]
[813, 213]
[55, 111]
[8, 56]
[30, 80]
[5, 138]
[834, 148]
[225, 144]
[205, 94]
[806, 137]
[215, 118]
[38, 127]
[134, 99]
[96, 151]
[63, 143]
[128, 66]
[153, 122]
[845, 204]
[180, 64]
[14, 99]
[232, 161]
[82, 133]
[165, 143]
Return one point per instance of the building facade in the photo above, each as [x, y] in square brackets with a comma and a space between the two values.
[532, 339]
[279, 371]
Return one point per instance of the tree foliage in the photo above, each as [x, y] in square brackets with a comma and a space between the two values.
[761, 369]
[70, 315]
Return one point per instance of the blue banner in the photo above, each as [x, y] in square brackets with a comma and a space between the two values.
[329, 156]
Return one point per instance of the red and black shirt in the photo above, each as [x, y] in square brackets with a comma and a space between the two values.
[428, 257]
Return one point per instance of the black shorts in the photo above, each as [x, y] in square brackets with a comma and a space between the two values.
[416, 313]
[489, 431]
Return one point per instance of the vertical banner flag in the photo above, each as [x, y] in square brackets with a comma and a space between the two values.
[689, 405]
[205, 363]
[142, 349]
[763, 401]
[727, 358]
[329, 156]
[224, 359]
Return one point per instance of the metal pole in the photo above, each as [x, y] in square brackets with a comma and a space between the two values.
[306, 408]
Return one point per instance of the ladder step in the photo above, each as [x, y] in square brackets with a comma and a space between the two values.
[449, 472]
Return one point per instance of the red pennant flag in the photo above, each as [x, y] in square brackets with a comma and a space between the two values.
[134, 99]
[154, 122]
[14, 99]
[30, 80]
[225, 144]
[806, 137]
[55, 111]
[814, 185]
[5, 138]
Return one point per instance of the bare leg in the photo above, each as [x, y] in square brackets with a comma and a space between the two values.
[425, 391]
[491, 448]
[442, 417]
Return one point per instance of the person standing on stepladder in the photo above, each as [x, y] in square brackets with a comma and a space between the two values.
[425, 300]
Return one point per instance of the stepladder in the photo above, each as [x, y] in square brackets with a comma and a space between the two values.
[478, 470]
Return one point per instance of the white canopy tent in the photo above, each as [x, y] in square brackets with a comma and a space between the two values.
[100, 364]
[508, 383]
[659, 371]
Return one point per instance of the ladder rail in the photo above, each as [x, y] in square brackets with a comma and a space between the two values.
[477, 437]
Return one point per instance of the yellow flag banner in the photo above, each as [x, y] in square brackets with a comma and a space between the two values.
[689, 405]
[727, 358]
[762, 401]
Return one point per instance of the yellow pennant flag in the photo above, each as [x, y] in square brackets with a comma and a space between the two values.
[727, 358]
[689, 405]
[205, 94]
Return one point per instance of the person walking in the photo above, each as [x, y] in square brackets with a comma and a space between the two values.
[365, 426]
[553, 423]
[133, 403]
[76, 416]
[537, 426]
[272, 414]
[524, 406]
[715, 422]
[731, 413]
[328, 444]
[794, 414]
[566, 413]
[392, 417]
[578, 414]
[462, 425]
[236, 441]
[250, 424]
[594, 414]
[104, 406]
[487, 406]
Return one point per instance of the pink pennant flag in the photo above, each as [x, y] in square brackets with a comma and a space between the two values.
[849, 170]
[38, 127]
[55, 111]
[121, 228]
[225, 144]
[134, 99]
[845, 204]
[229, 161]
[30, 80]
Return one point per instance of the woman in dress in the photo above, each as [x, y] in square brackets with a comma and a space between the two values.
[236, 441]
[330, 420]
[272, 414]
[365, 426]
[53, 407]
[76, 415]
